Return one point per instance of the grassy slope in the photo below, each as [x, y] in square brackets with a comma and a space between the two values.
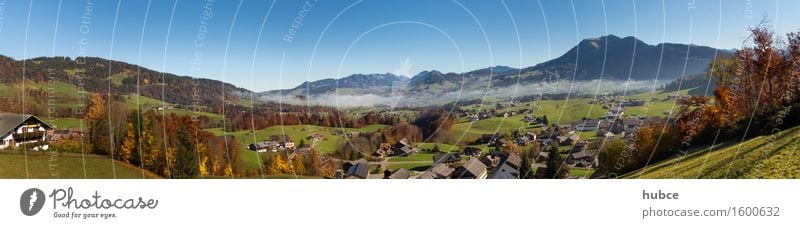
[252, 160]
[66, 123]
[772, 156]
[13, 166]
[131, 103]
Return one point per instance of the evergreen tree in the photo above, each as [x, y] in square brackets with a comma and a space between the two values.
[554, 164]
[186, 160]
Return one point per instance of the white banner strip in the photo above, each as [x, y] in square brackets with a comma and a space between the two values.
[400, 203]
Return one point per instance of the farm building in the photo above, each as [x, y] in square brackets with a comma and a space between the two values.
[21, 129]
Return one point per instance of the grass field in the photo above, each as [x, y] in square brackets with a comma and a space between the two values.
[428, 157]
[655, 107]
[772, 156]
[117, 78]
[66, 167]
[442, 147]
[131, 102]
[578, 172]
[558, 112]
[469, 131]
[64, 95]
[66, 123]
[296, 132]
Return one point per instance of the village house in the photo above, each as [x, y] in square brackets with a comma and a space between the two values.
[578, 147]
[513, 160]
[61, 135]
[508, 168]
[19, 129]
[316, 137]
[567, 140]
[302, 152]
[587, 125]
[397, 174]
[633, 103]
[615, 112]
[472, 151]
[263, 146]
[449, 159]
[472, 169]
[491, 160]
[505, 172]
[539, 170]
[358, 169]
[630, 124]
[580, 159]
[384, 150]
[542, 157]
[404, 148]
[438, 171]
[274, 144]
[523, 139]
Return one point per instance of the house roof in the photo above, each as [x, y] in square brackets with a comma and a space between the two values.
[359, 169]
[574, 137]
[404, 141]
[631, 121]
[400, 174]
[262, 144]
[590, 122]
[505, 172]
[438, 171]
[405, 150]
[544, 154]
[513, 160]
[579, 155]
[9, 121]
[472, 168]
[470, 149]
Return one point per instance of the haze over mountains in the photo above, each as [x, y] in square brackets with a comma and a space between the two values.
[610, 58]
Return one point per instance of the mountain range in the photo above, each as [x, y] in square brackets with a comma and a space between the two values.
[609, 58]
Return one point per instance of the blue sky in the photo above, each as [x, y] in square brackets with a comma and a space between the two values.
[339, 38]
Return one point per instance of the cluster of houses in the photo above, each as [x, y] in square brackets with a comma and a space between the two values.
[445, 166]
[348, 134]
[495, 165]
[612, 127]
[400, 149]
[610, 101]
[486, 114]
[274, 143]
[158, 107]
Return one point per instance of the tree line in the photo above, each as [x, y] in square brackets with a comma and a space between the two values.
[756, 93]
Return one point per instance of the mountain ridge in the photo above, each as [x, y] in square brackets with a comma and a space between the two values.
[607, 57]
